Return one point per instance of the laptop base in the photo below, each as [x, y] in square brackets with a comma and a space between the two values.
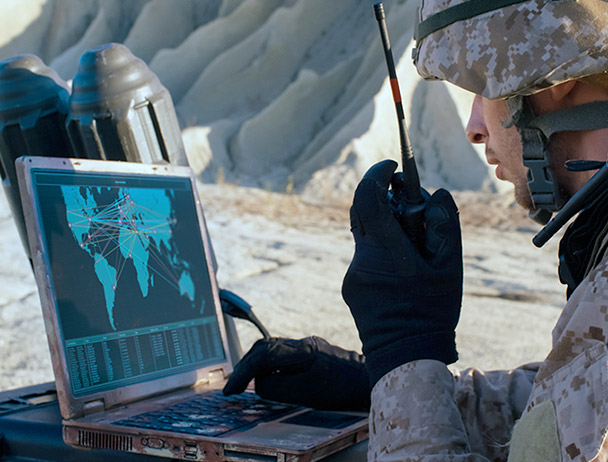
[31, 414]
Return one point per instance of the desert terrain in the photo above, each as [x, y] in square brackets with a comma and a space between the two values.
[283, 105]
[287, 258]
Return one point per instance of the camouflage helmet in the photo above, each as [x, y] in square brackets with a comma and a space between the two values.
[502, 48]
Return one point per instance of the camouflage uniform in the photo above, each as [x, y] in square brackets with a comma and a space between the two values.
[421, 412]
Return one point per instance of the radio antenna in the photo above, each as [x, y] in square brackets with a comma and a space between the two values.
[413, 216]
[410, 172]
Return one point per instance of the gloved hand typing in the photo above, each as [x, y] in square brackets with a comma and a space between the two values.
[309, 372]
[406, 305]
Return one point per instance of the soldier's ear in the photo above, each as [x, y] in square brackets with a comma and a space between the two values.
[556, 97]
[561, 91]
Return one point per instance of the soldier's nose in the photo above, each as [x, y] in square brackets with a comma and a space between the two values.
[476, 129]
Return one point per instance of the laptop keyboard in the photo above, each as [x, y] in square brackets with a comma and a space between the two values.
[210, 414]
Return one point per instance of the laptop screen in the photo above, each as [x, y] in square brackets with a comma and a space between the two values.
[129, 276]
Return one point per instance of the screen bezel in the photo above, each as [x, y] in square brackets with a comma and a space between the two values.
[75, 406]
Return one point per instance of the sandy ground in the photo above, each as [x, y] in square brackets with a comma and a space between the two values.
[288, 258]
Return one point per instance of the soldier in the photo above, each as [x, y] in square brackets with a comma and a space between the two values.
[539, 71]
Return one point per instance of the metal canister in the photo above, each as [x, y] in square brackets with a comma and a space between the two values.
[34, 103]
[119, 110]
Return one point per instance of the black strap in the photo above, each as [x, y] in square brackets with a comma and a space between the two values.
[465, 10]
[583, 165]
[589, 116]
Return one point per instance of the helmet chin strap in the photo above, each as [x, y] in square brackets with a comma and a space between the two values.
[546, 197]
[535, 133]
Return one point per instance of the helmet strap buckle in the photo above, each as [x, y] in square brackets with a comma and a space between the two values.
[546, 196]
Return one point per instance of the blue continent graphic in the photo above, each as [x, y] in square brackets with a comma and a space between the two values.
[135, 227]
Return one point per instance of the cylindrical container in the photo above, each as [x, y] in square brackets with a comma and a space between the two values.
[119, 110]
[34, 103]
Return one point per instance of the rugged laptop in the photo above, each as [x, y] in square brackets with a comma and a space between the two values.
[132, 314]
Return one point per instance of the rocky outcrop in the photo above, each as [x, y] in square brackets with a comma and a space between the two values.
[279, 94]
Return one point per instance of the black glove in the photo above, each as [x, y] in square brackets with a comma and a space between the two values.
[309, 372]
[406, 306]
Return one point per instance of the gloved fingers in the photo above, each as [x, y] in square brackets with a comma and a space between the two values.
[247, 368]
[331, 383]
[290, 355]
[355, 224]
[266, 357]
[371, 215]
[398, 183]
[443, 236]
[366, 199]
[370, 195]
[381, 172]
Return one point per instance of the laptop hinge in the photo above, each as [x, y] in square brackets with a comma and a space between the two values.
[216, 375]
[92, 407]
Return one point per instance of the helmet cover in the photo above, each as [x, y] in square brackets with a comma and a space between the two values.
[517, 49]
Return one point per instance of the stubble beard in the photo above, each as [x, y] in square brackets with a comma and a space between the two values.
[521, 190]
[560, 154]
[522, 194]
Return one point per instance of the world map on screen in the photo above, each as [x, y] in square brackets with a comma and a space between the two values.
[133, 225]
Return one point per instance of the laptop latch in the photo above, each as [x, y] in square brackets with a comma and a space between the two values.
[93, 407]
